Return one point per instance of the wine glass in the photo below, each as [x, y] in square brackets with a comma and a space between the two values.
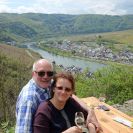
[80, 121]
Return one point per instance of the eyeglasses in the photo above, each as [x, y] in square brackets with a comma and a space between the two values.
[42, 73]
[66, 89]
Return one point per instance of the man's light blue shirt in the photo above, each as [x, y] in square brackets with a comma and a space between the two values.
[27, 103]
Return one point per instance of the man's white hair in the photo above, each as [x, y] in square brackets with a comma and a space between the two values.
[39, 61]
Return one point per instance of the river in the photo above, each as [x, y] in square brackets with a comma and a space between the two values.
[68, 61]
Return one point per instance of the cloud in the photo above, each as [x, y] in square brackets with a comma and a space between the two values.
[3, 6]
[125, 5]
[112, 7]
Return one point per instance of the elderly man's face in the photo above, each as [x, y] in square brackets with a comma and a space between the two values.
[43, 74]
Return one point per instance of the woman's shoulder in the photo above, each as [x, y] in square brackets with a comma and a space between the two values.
[43, 107]
[71, 101]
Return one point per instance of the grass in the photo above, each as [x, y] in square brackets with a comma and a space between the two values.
[120, 36]
[17, 76]
[121, 39]
[24, 55]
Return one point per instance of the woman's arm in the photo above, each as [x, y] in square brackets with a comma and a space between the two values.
[82, 104]
[91, 118]
[41, 124]
[42, 120]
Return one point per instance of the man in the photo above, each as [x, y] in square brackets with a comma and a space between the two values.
[33, 93]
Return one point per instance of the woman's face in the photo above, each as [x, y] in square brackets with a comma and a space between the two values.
[63, 90]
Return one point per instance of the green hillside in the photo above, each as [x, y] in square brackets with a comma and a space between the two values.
[16, 64]
[29, 26]
[15, 71]
[117, 41]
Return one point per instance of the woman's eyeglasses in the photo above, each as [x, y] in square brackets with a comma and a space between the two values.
[66, 89]
[42, 73]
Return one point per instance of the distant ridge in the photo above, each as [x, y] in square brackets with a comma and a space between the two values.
[37, 26]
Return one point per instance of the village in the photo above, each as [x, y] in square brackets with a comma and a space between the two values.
[97, 53]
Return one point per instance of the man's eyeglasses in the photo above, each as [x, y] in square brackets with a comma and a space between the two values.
[42, 73]
[66, 89]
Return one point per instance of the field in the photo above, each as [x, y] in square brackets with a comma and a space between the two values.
[119, 40]
[120, 36]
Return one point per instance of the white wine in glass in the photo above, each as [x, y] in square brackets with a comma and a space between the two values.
[80, 121]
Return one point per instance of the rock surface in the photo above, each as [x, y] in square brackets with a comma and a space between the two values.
[127, 107]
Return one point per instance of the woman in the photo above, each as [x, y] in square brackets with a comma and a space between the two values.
[57, 115]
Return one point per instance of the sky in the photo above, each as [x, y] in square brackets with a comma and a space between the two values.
[109, 7]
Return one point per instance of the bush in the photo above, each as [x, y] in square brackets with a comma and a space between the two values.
[115, 82]
[13, 76]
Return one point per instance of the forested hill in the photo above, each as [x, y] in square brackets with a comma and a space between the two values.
[37, 26]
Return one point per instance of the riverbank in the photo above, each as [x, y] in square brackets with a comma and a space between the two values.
[68, 61]
[69, 54]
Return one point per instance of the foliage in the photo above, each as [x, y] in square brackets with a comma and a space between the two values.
[39, 26]
[21, 29]
[15, 71]
[116, 41]
[13, 77]
[115, 82]
[57, 51]
[6, 128]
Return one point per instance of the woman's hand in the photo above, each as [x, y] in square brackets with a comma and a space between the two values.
[91, 118]
[73, 129]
